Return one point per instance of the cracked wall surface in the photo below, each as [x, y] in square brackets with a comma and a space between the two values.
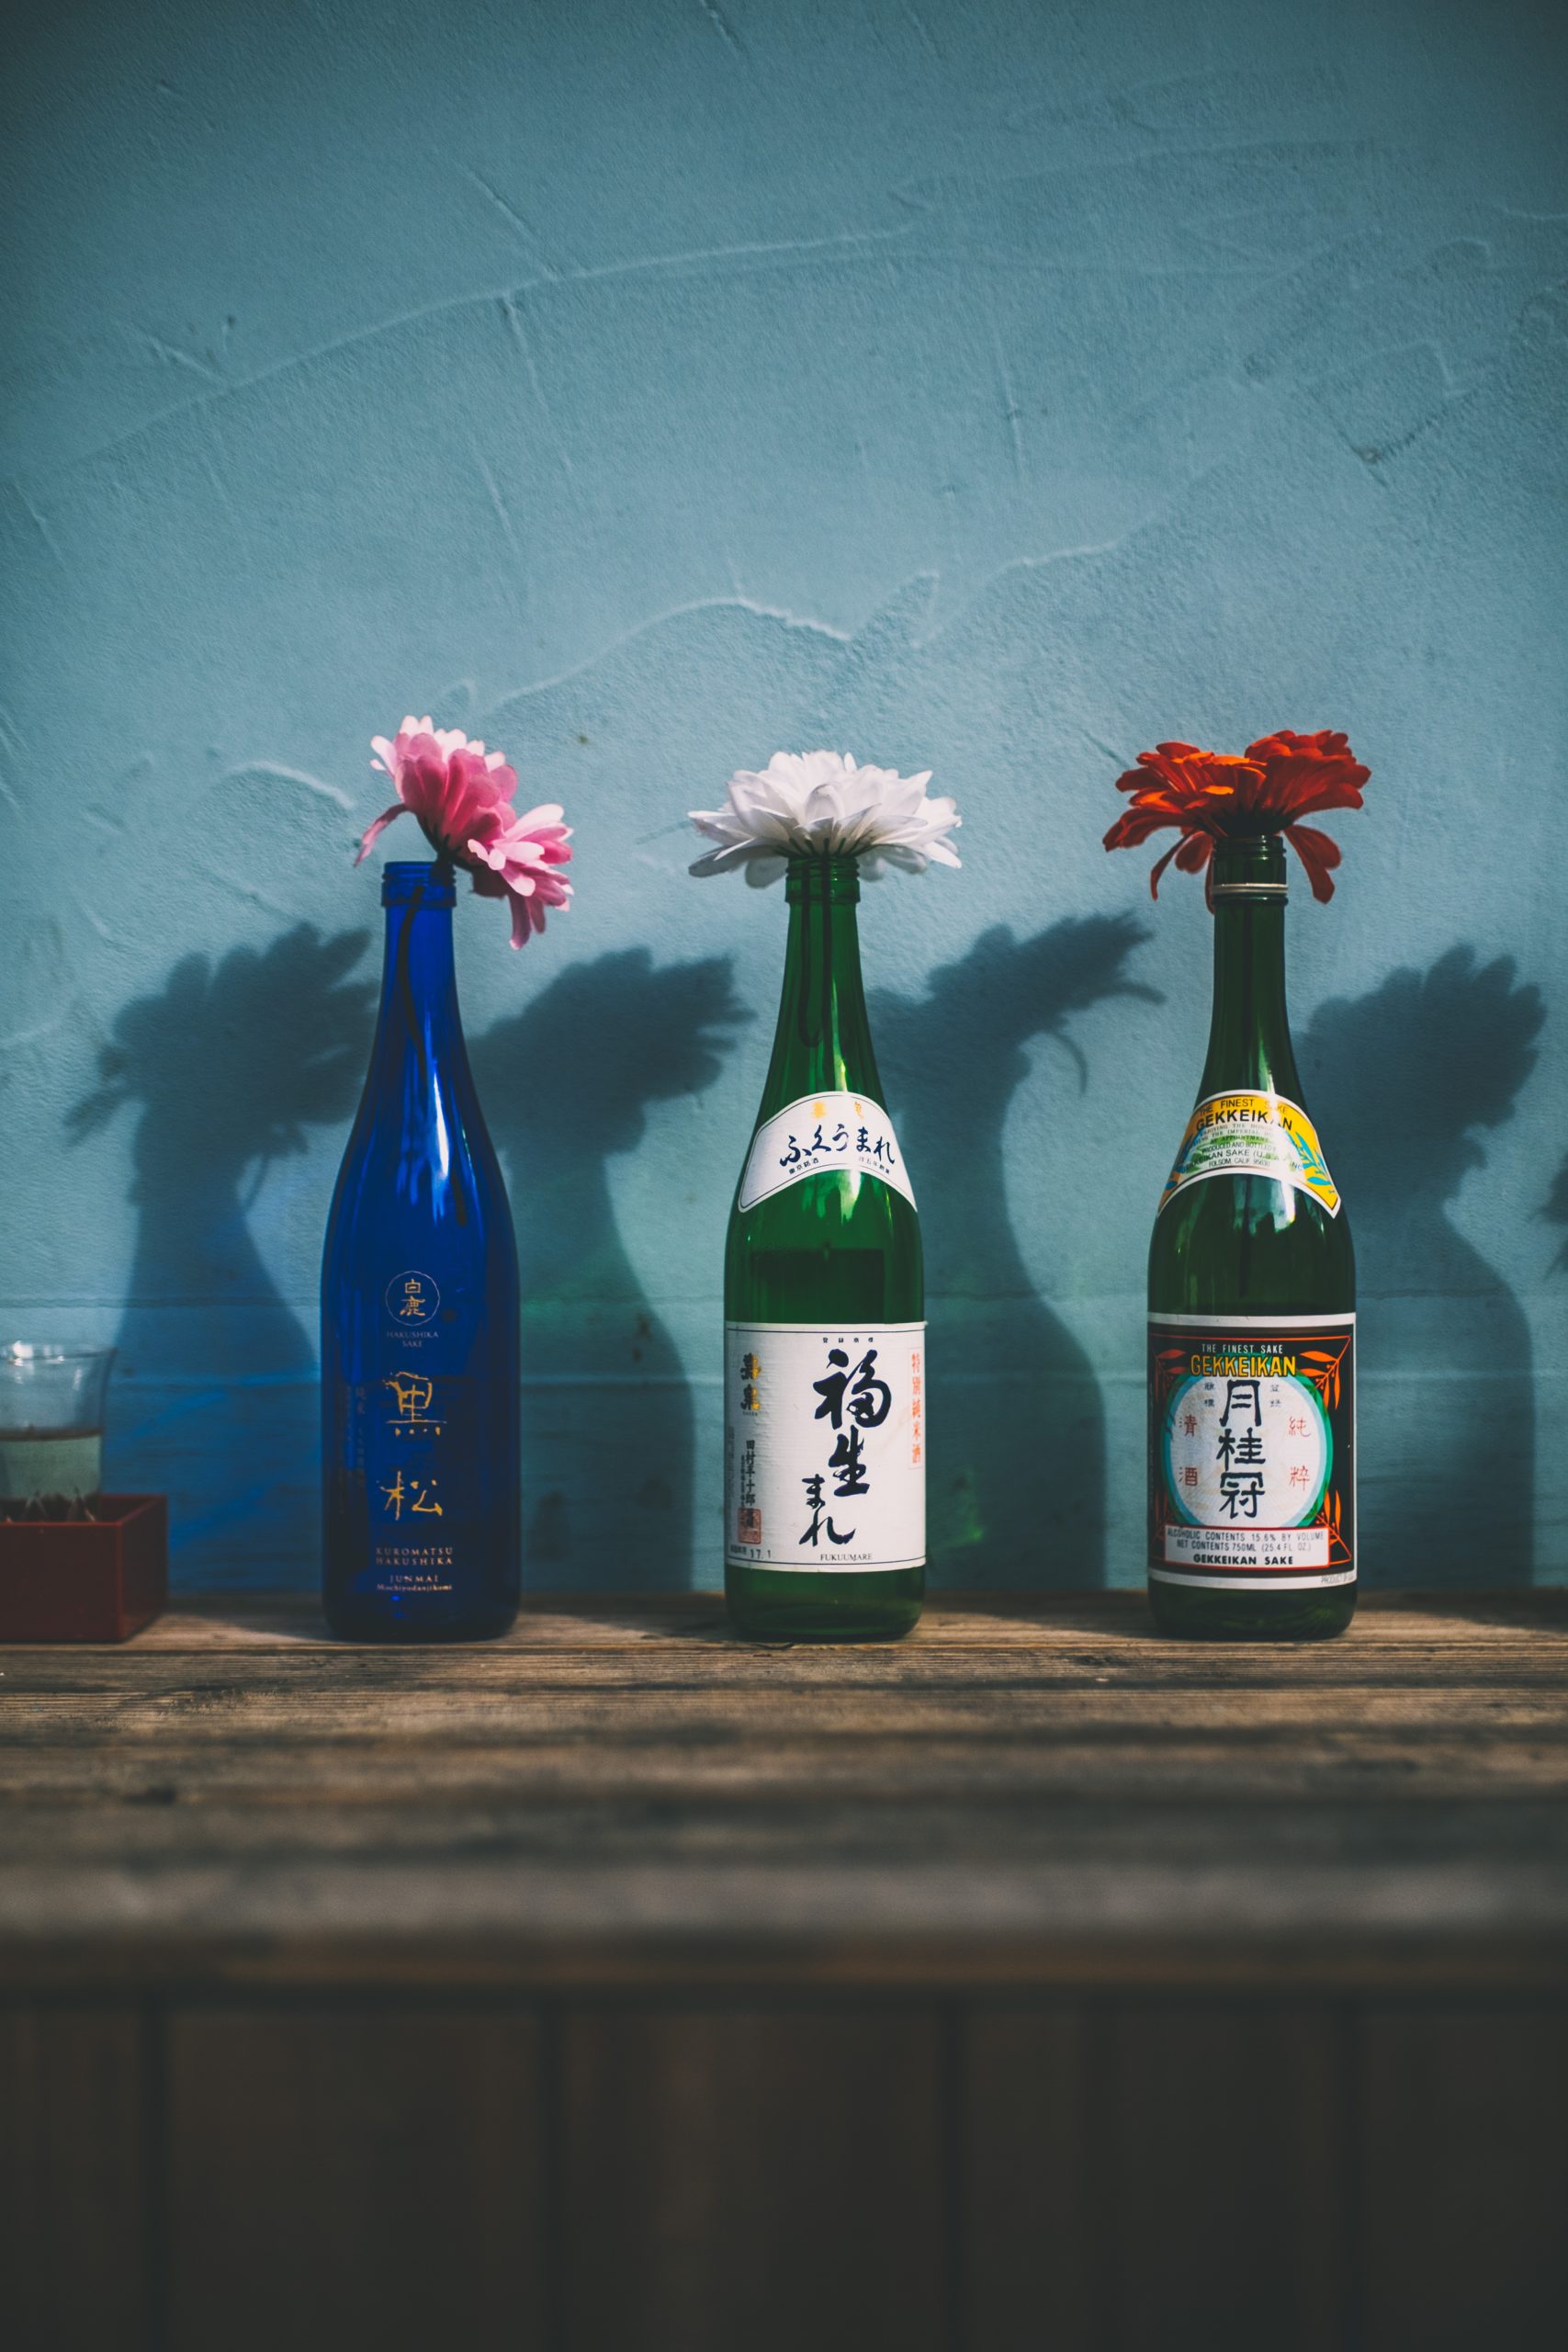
[652, 384]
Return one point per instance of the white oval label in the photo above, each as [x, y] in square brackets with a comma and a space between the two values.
[823, 1131]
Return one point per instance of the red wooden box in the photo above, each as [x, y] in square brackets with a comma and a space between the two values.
[86, 1580]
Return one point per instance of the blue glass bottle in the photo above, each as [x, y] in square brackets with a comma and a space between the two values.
[420, 1435]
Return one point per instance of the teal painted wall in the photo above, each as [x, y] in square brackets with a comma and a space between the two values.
[650, 384]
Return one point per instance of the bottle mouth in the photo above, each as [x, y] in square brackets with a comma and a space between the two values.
[409, 882]
[1250, 865]
[810, 878]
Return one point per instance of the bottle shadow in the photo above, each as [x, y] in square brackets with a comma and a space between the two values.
[1399, 1080]
[608, 1430]
[1556, 1211]
[1017, 1472]
[214, 1401]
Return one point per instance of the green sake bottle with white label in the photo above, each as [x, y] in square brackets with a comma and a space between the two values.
[1252, 1316]
[824, 1357]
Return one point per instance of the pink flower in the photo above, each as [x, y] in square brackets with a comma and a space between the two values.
[519, 863]
[462, 795]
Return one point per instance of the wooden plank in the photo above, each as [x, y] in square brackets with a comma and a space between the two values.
[1145, 1900]
[292, 1619]
[765, 1958]
[765, 2179]
[1075, 1725]
[1464, 2177]
[1399, 1857]
[1353, 1842]
[1156, 2174]
[1028, 2204]
[940, 1741]
[1224, 2163]
[75, 2181]
[234, 1709]
[412, 1696]
[105, 1676]
[356, 2176]
[73, 1797]
[626, 1787]
[759, 1719]
[528, 1869]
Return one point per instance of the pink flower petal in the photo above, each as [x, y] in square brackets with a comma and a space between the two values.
[462, 795]
[373, 832]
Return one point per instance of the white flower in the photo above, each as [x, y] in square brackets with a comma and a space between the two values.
[821, 804]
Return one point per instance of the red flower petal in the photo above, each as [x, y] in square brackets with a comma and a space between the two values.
[1155, 871]
[1317, 853]
[1213, 797]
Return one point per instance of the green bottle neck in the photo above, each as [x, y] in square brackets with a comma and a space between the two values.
[822, 1044]
[1250, 1036]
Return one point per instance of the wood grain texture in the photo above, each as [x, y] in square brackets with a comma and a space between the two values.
[292, 1620]
[1156, 2174]
[76, 2200]
[1464, 2177]
[1221, 2154]
[370, 2176]
[1026, 1791]
[1097, 2174]
[766, 2179]
[1031, 2221]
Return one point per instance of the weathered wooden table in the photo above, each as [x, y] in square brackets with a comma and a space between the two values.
[1034, 1984]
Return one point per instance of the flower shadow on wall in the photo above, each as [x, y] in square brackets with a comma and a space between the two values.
[227, 1066]
[608, 1432]
[1398, 1081]
[1556, 1213]
[1017, 1494]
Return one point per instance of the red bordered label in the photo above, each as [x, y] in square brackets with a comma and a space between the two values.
[1252, 1451]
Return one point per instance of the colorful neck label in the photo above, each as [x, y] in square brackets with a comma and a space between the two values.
[825, 1447]
[843, 1131]
[1253, 1135]
[1252, 1451]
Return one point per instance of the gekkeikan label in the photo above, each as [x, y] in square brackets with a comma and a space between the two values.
[825, 1446]
[1253, 1135]
[823, 1131]
[1252, 1451]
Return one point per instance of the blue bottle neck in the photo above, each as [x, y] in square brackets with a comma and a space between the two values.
[419, 1015]
[420, 1088]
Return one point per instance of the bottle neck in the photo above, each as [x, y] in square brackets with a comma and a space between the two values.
[419, 1028]
[1249, 1036]
[823, 1041]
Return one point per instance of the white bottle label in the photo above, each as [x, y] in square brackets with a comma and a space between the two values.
[825, 1447]
[846, 1131]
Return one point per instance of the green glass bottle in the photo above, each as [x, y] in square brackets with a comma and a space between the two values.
[824, 1360]
[1252, 1316]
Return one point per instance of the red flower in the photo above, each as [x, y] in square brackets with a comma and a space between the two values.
[1210, 797]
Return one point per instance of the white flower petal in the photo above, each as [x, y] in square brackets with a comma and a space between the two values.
[824, 803]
